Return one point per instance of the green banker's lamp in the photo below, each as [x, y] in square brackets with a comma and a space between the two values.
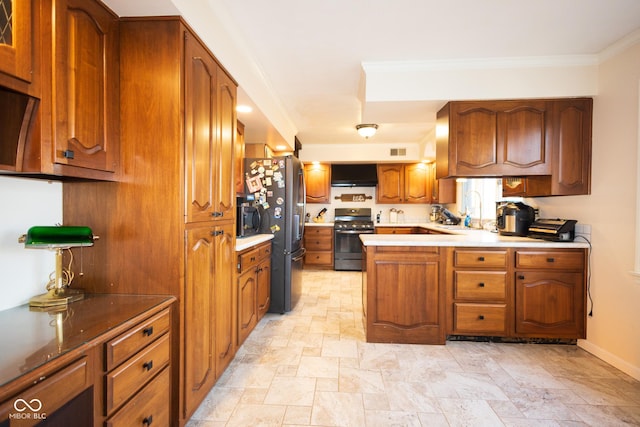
[57, 238]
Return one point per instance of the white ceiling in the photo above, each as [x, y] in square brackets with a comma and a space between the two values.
[327, 65]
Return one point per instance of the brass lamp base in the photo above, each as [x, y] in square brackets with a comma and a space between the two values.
[56, 298]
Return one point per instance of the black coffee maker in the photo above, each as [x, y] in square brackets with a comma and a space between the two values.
[514, 218]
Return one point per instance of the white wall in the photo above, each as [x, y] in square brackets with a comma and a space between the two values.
[612, 331]
[25, 203]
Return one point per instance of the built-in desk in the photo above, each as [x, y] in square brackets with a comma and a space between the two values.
[103, 359]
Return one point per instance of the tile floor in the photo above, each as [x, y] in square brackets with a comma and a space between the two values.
[311, 367]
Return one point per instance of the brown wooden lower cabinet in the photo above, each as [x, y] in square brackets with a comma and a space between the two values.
[424, 294]
[109, 363]
[318, 241]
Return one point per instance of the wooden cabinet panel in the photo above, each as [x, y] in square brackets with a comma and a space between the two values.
[224, 161]
[16, 48]
[550, 305]
[557, 259]
[319, 244]
[480, 318]
[480, 285]
[404, 299]
[442, 190]
[86, 85]
[126, 345]
[253, 285]
[239, 154]
[127, 379]
[480, 258]
[493, 138]
[149, 407]
[318, 183]
[224, 302]
[403, 183]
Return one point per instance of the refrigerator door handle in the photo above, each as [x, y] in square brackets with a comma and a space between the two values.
[299, 257]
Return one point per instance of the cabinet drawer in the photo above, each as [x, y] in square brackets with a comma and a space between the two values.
[318, 258]
[481, 285]
[149, 407]
[317, 244]
[480, 258]
[480, 318]
[264, 251]
[52, 392]
[126, 345]
[318, 231]
[249, 259]
[123, 382]
[550, 259]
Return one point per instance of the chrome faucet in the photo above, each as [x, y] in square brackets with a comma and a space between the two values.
[480, 205]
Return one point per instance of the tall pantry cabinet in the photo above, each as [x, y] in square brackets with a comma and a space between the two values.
[169, 226]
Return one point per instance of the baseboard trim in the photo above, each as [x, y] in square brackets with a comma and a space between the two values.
[610, 358]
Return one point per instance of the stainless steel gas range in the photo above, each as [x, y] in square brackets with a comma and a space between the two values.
[349, 223]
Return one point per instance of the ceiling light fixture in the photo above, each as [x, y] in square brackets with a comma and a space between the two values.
[367, 130]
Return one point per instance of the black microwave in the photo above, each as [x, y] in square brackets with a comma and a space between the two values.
[248, 221]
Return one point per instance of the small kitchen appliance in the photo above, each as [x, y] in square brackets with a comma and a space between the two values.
[248, 220]
[557, 230]
[514, 218]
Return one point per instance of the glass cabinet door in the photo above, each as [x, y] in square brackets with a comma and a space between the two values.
[15, 38]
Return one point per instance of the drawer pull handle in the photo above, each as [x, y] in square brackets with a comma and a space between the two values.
[148, 365]
[480, 258]
[481, 285]
[147, 332]
[481, 317]
[148, 420]
[521, 277]
[68, 154]
[550, 260]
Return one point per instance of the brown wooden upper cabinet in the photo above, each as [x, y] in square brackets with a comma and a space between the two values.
[16, 42]
[76, 131]
[546, 140]
[318, 182]
[403, 183]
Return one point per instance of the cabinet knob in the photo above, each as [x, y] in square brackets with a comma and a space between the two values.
[550, 260]
[148, 365]
[147, 420]
[480, 258]
[147, 332]
[521, 277]
[217, 232]
[481, 285]
[481, 317]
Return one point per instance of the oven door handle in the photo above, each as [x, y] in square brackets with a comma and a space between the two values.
[354, 231]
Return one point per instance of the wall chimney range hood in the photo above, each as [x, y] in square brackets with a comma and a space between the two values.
[354, 175]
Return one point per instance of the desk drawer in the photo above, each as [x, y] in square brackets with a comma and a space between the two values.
[480, 258]
[150, 407]
[126, 345]
[124, 381]
[318, 258]
[481, 285]
[550, 259]
[480, 318]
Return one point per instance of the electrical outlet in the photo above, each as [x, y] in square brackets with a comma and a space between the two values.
[583, 230]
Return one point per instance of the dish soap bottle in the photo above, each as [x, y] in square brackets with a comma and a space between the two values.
[467, 220]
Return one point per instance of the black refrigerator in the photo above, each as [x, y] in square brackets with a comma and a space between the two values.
[276, 186]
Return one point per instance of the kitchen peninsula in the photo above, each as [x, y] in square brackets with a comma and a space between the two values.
[423, 288]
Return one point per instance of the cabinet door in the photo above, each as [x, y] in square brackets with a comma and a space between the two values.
[442, 190]
[199, 314]
[85, 89]
[247, 316]
[522, 138]
[318, 183]
[225, 196]
[200, 131]
[550, 304]
[417, 186]
[264, 287]
[390, 184]
[223, 282]
[16, 45]
[572, 146]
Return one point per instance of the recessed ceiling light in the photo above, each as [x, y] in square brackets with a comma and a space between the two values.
[243, 109]
[281, 147]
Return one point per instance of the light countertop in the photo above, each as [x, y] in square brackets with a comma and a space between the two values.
[243, 243]
[460, 236]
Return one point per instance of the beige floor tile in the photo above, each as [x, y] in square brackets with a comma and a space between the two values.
[312, 367]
